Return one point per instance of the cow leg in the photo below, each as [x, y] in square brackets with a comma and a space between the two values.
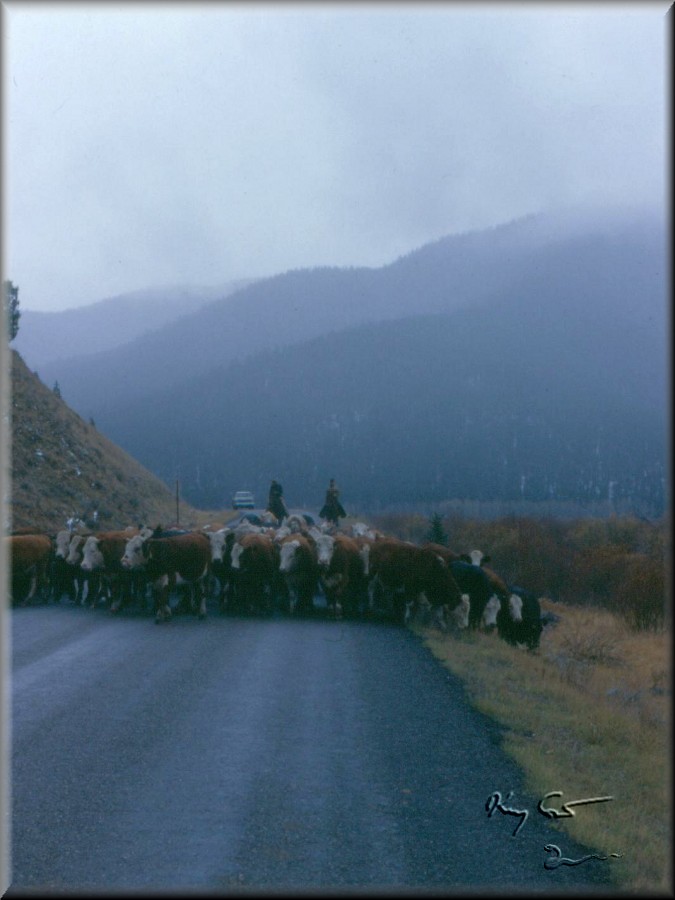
[201, 597]
[162, 591]
[31, 590]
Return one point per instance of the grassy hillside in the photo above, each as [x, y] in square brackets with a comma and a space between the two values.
[62, 467]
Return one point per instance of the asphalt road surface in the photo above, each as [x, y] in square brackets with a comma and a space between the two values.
[260, 755]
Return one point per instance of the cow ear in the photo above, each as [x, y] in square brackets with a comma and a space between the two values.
[485, 559]
[465, 557]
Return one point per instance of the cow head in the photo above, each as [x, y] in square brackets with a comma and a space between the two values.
[287, 555]
[74, 557]
[135, 553]
[475, 557]
[218, 541]
[62, 543]
[92, 558]
[516, 608]
[325, 544]
[489, 617]
[235, 555]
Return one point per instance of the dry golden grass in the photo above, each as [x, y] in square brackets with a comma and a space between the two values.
[588, 714]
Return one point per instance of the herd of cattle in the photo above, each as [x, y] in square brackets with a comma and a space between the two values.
[260, 568]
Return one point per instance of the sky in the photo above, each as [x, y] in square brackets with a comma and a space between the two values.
[147, 145]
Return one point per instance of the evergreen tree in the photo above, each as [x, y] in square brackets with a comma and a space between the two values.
[436, 531]
[57, 389]
[10, 306]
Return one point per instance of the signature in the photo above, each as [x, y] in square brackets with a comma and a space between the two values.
[556, 814]
[559, 860]
[496, 803]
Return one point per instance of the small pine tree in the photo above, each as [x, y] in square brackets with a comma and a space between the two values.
[10, 306]
[57, 389]
[436, 532]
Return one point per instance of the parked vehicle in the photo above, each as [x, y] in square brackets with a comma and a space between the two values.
[243, 500]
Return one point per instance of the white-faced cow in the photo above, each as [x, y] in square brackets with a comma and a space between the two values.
[221, 565]
[88, 583]
[255, 561]
[519, 619]
[168, 561]
[29, 557]
[473, 581]
[102, 554]
[65, 579]
[342, 575]
[299, 568]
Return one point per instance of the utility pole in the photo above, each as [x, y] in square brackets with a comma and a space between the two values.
[177, 512]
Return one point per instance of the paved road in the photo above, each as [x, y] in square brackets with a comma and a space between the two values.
[257, 755]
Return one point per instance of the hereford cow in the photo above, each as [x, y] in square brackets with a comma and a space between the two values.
[168, 561]
[29, 557]
[473, 581]
[401, 572]
[102, 554]
[478, 558]
[342, 577]
[519, 619]
[221, 565]
[299, 568]
[255, 561]
[89, 583]
[65, 579]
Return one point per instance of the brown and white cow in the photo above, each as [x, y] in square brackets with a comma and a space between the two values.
[299, 568]
[102, 555]
[65, 578]
[168, 561]
[222, 541]
[401, 572]
[519, 620]
[342, 576]
[89, 583]
[255, 561]
[29, 557]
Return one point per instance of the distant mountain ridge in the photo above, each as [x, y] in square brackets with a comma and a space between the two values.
[525, 361]
[461, 270]
[106, 324]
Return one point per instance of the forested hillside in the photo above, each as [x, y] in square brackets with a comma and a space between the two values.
[465, 405]
[622, 267]
[527, 362]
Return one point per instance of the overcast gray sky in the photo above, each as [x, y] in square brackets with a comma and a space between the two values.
[148, 145]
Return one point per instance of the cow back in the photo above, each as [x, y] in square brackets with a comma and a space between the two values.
[187, 555]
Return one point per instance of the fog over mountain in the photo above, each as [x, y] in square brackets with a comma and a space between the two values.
[527, 361]
[47, 336]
